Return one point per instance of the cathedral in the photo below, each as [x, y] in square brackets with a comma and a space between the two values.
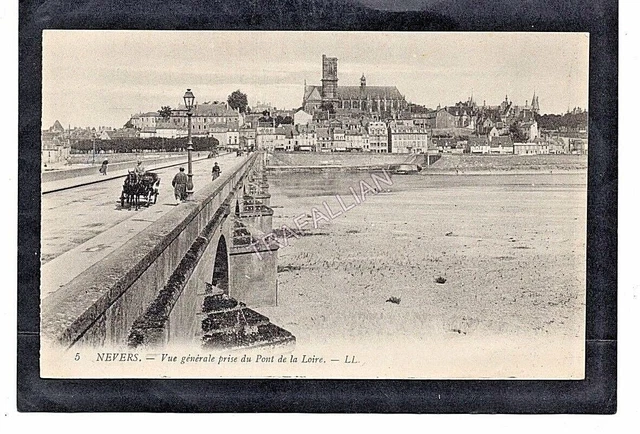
[369, 99]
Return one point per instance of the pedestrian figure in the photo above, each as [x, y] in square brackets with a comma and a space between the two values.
[179, 184]
[103, 168]
[139, 169]
[215, 172]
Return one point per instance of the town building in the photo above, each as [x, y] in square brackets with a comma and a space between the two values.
[261, 107]
[323, 139]
[405, 137]
[280, 139]
[464, 113]
[208, 119]
[531, 148]
[478, 145]
[55, 144]
[233, 138]
[145, 120]
[305, 139]
[378, 137]
[356, 140]
[302, 118]
[578, 146]
[438, 119]
[247, 137]
[338, 139]
[444, 144]
[288, 140]
[500, 145]
[266, 136]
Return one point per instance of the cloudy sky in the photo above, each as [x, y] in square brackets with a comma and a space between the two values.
[93, 78]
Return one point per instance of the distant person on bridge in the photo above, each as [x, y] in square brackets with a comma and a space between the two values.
[103, 168]
[215, 172]
[179, 184]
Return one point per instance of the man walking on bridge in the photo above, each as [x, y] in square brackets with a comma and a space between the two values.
[179, 184]
[215, 172]
[103, 168]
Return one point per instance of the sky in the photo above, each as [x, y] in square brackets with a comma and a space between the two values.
[101, 78]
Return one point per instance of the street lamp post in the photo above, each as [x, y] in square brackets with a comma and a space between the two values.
[189, 99]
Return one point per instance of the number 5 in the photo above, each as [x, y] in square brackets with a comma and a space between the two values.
[77, 357]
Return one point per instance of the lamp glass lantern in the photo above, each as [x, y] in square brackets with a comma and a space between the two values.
[189, 99]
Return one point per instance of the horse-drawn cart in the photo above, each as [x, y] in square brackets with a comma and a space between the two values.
[137, 187]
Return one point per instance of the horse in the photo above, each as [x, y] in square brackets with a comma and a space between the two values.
[132, 190]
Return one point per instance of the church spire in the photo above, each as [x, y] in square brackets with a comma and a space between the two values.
[535, 104]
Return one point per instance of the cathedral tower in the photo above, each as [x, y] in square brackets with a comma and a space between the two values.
[329, 78]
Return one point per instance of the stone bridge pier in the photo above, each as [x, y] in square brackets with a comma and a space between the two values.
[193, 277]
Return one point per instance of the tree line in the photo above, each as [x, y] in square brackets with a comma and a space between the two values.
[570, 121]
[277, 121]
[134, 144]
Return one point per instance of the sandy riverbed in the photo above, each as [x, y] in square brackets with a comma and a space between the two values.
[511, 249]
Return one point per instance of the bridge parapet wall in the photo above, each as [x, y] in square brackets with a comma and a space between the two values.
[101, 304]
[244, 268]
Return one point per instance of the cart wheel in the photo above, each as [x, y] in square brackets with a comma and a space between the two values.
[155, 198]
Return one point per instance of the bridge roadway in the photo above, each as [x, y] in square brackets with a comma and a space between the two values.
[81, 226]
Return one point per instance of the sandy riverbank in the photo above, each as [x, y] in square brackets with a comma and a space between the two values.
[467, 163]
[511, 250]
[448, 164]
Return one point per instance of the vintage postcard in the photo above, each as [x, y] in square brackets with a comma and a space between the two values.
[352, 205]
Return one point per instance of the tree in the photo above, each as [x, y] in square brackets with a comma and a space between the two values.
[165, 112]
[568, 121]
[516, 134]
[238, 101]
[266, 117]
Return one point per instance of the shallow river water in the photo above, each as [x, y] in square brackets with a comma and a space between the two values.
[436, 261]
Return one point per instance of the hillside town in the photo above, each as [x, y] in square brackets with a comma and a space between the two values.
[350, 118]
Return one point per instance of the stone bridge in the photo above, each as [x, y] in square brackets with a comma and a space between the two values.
[192, 277]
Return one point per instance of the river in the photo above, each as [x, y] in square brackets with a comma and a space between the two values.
[488, 264]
